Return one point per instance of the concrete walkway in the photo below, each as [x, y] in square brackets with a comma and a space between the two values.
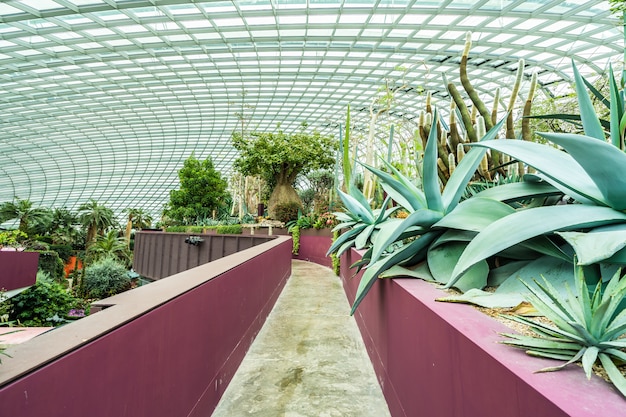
[308, 359]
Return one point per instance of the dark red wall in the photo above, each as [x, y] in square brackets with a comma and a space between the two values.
[18, 269]
[158, 254]
[313, 246]
[175, 360]
[443, 359]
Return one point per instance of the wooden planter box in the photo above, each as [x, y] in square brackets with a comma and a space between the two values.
[443, 359]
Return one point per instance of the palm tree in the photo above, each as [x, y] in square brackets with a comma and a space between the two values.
[64, 227]
[96, 219]
[137, 218]
[23, 210]
[110, 244]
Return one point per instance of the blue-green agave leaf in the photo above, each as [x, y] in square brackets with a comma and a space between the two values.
[604, 163]
[593, 247]
[464, 171]
[475, 214]
[400, 188]
[519, 191]
[344, 237]
[557, 165]
[391, 232]
[525, 224]
[617, 110]
[356, 206]
[615, 375]
[430, 175]
[375, 269]
[362, 239]
[591, 123]
[441, 261]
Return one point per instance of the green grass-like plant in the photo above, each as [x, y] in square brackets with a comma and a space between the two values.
[228, 229]
[587, 326]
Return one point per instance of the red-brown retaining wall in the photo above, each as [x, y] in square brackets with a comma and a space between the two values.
[18, 269]
[166, 349]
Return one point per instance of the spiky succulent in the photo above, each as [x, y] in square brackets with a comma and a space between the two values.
[587, 326]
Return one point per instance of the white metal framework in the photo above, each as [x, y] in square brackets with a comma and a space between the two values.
[105, 99]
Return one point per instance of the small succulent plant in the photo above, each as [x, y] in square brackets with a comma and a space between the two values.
[587, 326]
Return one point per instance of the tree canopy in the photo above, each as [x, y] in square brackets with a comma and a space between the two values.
[279, 158]
[202, 190]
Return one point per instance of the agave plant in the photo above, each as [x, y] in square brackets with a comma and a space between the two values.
[591, 171]
[360, 219]
[587, 326]
[406, 241]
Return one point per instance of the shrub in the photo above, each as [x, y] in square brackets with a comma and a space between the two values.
[286, 212]
[51, 264]
[229, 229]
[64, 251]
[44, 304]
[105, 278]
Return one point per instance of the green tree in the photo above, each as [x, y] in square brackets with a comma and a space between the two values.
[279, 158]
[64, 228]
[23, 211]
[109, 245]
[202, 190]
[96, 218]
[137, 218]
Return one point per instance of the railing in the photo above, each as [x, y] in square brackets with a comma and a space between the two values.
[168, 348]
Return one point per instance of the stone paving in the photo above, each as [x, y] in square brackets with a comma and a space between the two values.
[308, 360]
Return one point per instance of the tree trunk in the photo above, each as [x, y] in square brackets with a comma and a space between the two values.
[283, 193]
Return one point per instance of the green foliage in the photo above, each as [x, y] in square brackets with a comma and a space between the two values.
[280, 157]
[407, 241]
[588, 326]
[229, 229]
[105, 278]
[12, 238]
[336, 260]
[202, 190]
[96, 218]
[30, 219]
[286, 212]
[64, 251]
[44, 304]
[109, 245]
[51, 264]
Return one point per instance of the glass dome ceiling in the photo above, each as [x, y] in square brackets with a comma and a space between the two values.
[106, 99]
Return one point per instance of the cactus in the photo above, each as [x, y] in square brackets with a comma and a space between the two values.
[479, 106]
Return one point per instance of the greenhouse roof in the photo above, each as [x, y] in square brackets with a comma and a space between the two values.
[105, 99]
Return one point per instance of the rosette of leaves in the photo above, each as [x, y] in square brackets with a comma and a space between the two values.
[405, 242]
[587, 326]
[360, 219]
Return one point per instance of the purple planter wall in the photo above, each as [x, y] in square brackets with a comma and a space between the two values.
[444, 359]
[313, 246]
[166, 349]
[18, 269]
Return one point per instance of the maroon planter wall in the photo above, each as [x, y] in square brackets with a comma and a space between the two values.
[444, 359]
[166, 349]
[18, 269]
[313, 246]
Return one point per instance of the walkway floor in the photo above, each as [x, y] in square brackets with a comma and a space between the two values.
[308, 360]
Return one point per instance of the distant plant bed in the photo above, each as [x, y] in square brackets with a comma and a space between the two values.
[46, 303]
[105, 278]
[229, 229]
[185, 229]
